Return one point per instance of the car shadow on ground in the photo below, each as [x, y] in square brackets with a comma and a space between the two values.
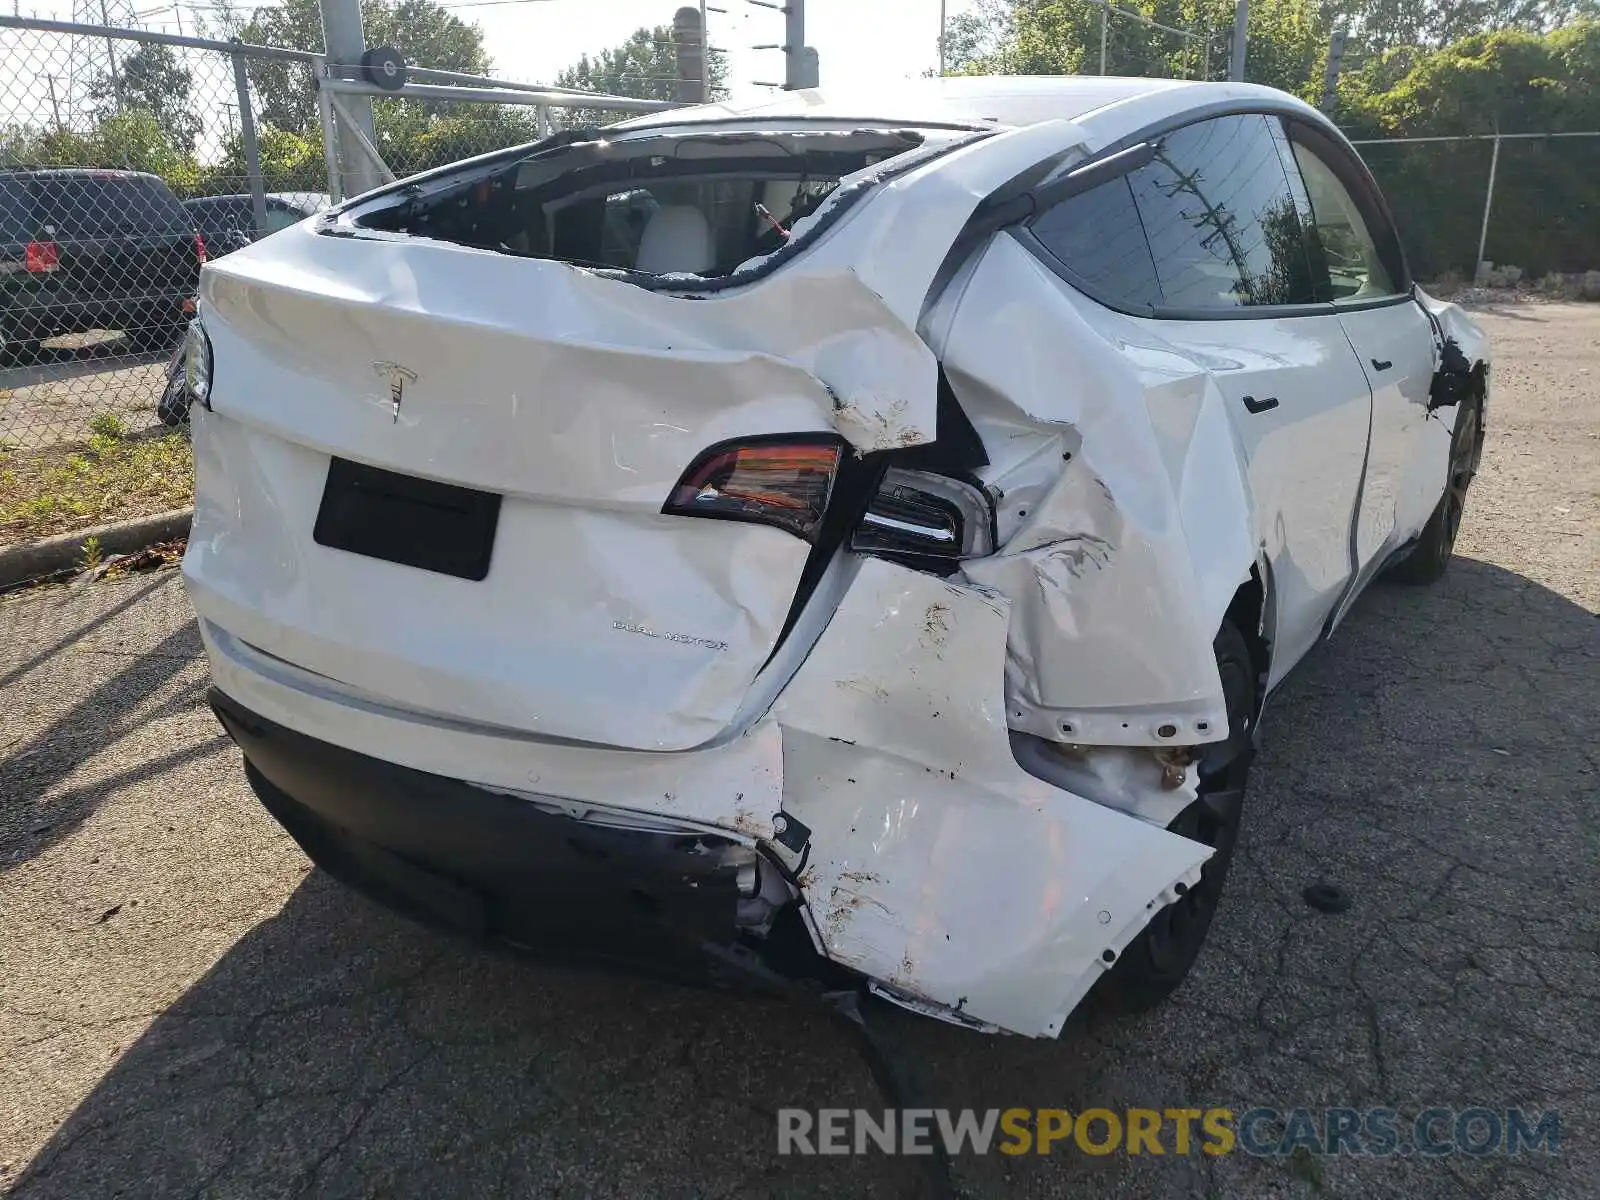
[58, 363]
[336, 1049]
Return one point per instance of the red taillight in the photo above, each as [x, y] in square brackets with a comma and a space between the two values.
[772, 481]
[200, 247]
[43, 257]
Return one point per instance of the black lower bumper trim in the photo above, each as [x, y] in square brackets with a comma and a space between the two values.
[500, 867]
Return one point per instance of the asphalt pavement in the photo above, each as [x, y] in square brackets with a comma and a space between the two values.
[187, 1009]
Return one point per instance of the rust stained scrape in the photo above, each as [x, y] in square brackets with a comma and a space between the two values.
[936, 624]
[879, 427]
[842, 905]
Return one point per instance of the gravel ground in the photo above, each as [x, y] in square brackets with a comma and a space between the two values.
[51, 399]
[186, 1009]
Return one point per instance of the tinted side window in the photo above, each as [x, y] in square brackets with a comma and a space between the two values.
[1096, 235]
[1221, 219]
[16, 211]
[105, 205]
[1355, 268]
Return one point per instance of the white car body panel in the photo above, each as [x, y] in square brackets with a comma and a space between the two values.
[1303, 455]
[621, 661]
[1149, 517]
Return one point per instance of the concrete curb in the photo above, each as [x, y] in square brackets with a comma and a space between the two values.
[53, 555]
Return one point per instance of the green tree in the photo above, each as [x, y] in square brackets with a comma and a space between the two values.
[133, 140]
[290, 162]
[1546, 193]
[152, 79]
[1055, 37]
[424, 32]
[644, 66]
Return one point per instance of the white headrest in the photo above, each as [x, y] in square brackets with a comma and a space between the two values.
[676, 239]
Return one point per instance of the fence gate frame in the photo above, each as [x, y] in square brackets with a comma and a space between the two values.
[334, 80]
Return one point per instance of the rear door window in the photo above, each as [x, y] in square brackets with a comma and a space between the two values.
[96, 206]
[1097, 236]
[1222, 222]
[1214, 222]
[16, 212]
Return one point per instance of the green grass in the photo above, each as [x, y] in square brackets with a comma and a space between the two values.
[109, 476]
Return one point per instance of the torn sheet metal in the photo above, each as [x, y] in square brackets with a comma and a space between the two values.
[938, 866]
[1128, 515]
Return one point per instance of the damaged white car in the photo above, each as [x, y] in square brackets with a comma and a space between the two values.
[845, 539]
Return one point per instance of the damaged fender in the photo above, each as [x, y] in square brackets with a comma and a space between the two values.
[936, 865]
[1125, 515]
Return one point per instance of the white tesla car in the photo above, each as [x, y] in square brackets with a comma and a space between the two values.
[844, 538]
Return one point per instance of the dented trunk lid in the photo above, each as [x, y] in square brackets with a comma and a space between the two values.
[579, 400]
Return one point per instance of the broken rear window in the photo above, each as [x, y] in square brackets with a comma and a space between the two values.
[699, 204]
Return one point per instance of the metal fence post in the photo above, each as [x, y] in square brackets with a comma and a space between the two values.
[330, 133]
[345, 43]
[252, 150]
[1105, 19]
[1488, 203]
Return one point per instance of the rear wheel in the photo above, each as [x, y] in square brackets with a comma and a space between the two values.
[173, 409]
[1430, 557]
[1156, 962]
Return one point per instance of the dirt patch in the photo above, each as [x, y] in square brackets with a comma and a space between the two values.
[64, 487]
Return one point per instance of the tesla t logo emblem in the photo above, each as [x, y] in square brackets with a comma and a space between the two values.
[398, 377]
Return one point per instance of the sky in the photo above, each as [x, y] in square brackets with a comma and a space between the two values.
[531, 40]
[856, 40]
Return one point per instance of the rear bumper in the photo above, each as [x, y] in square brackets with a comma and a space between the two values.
[908, 845]
[501, 868]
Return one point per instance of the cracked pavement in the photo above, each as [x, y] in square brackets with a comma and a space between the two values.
[187, 1009]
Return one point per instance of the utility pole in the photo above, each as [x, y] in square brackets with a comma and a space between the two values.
[1241, 23]
[345, 43]
[799, 59]
[54, 107]
[689, 50]
[941, 37]
[800, 69]
[1105, 24]
[1330, 75]
[111, 52]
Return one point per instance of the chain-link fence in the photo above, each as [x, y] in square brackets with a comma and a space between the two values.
[127, 159]
[123, 167]
[1528, 202]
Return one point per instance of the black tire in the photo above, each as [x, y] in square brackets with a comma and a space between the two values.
[173, 408]
[1430, 557]
[1153, 965]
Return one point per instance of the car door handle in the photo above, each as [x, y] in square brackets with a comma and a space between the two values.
[1259, 406]
[1381, 364]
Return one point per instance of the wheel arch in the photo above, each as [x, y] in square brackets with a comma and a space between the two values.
[1251, 612]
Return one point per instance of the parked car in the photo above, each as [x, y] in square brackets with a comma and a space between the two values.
[875, 572]
[88, 249]
[228, 222]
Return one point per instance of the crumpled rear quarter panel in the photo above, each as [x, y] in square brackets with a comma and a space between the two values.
[937, 864]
